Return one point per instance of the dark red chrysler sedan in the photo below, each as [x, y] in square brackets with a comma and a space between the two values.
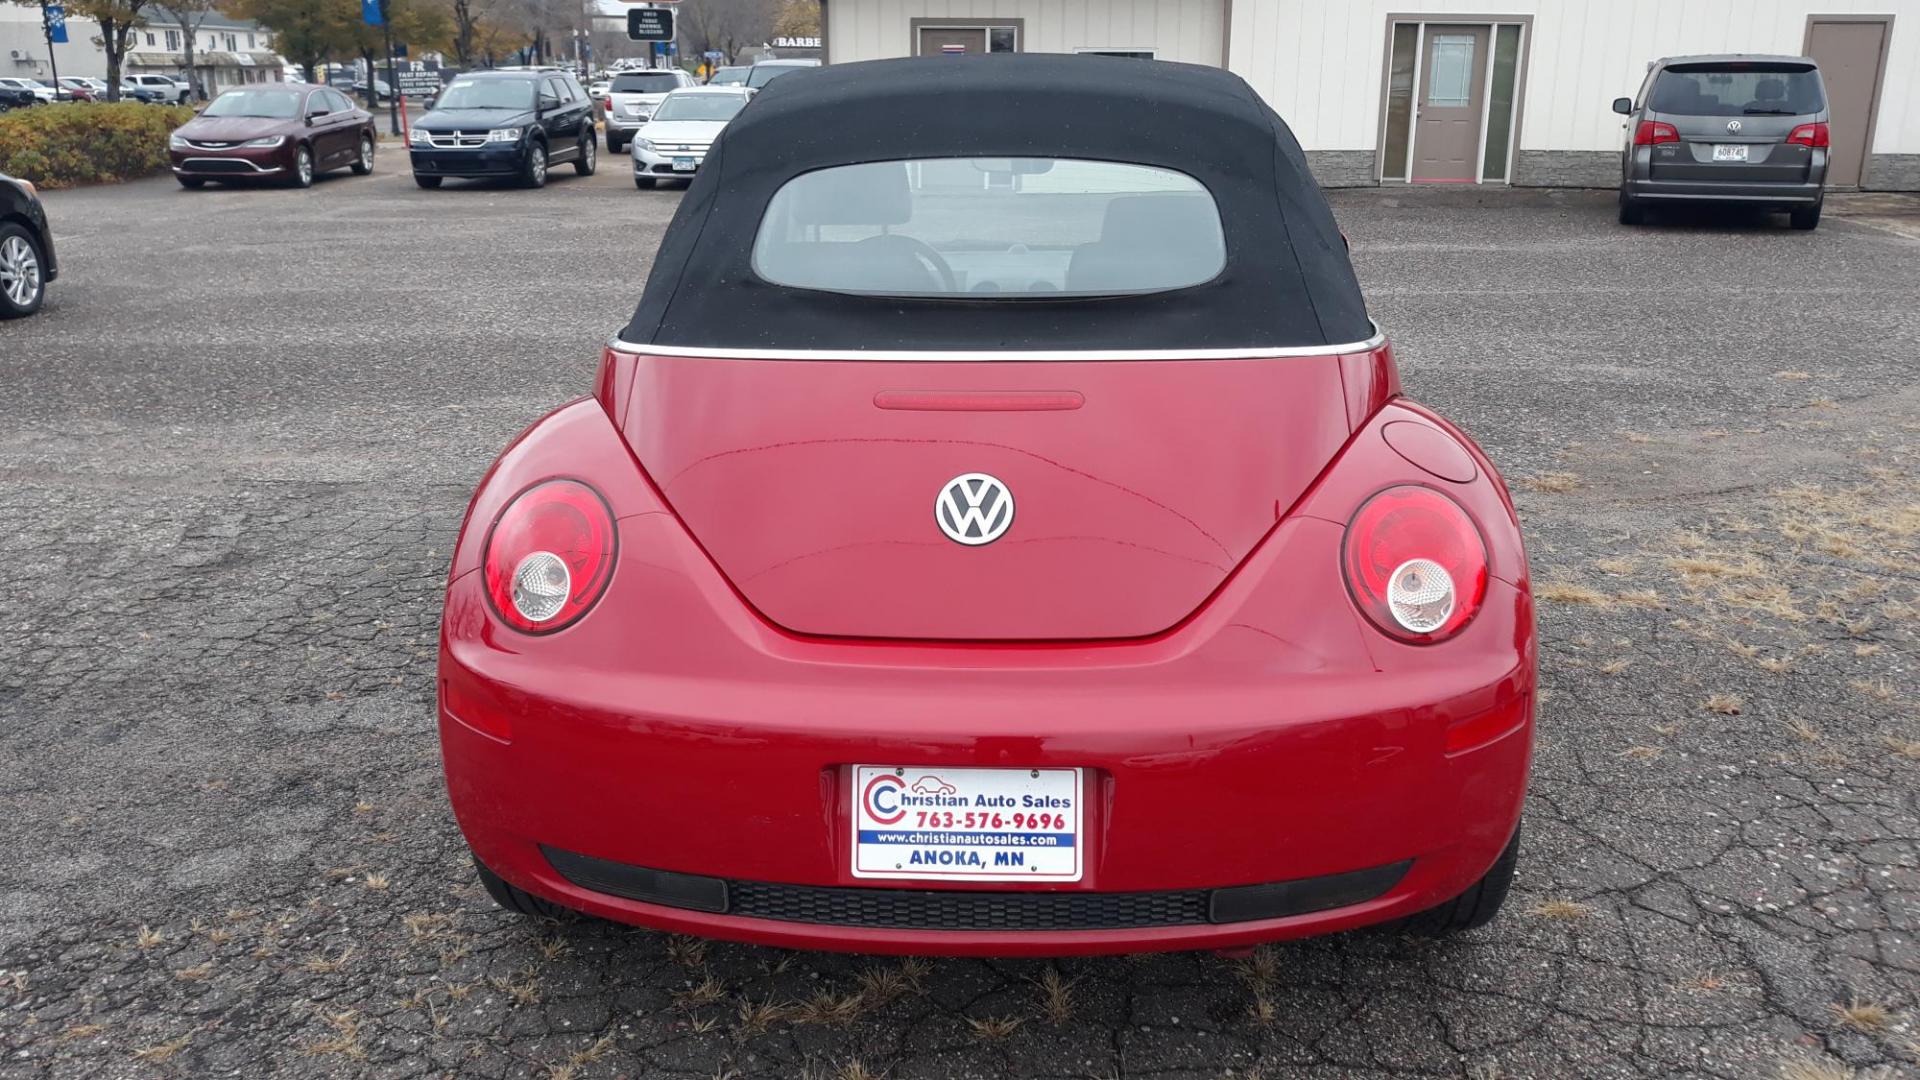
[281, 132]
[995, 534]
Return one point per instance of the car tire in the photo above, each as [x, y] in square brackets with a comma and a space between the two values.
[515, 899]
[589, 156]
[193, 182]
[614, 145]
[644, 183]
[533, 166]
[20, 254]
[1806, 217]
[428, 182]
[1631, 212]
[302, 174]
[363, 158]
[1471, 909]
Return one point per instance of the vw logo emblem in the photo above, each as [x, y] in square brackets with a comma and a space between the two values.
[1733, 126]
[973, 509]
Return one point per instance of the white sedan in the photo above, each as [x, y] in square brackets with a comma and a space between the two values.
[672, 144]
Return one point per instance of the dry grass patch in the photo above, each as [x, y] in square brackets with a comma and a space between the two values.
[147, 937]
[1641, 753]
[705, 992]
[196, 973]
[1616, 567]
[883, 985]
[1562, 909]
[522, 989]
[345, 1040]
[1615, 667]
[423, 925]
[1878, 690]
[1903, 747]
[322, 964]
[856, 1070]
[1800, 728]
[830, 1009]
[757, 1017]
[1259, 968]
[81, 1031]
[1263, 1011]
[1807, 1068]
[1705, 567]
[1868, 1016]
[1778, 665]
[153, 1055]
[1567, 592]
[688, 952]
[1724, 704]
[1056, 996]
[1793, 376]
[1553, 483]
[993, 1027]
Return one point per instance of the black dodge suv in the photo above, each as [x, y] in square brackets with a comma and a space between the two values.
[511, 122]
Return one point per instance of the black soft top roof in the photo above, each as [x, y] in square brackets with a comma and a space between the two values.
[1287, 280]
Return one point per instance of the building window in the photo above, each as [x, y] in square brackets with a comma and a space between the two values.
[233, 43]
[250, 45]
[150, 41]
[1506, 65]
[1406, 37]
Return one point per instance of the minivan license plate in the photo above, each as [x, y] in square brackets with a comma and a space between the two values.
[967, 824]
[1729, 152]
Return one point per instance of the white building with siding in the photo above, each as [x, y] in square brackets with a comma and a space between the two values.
[1529, 82]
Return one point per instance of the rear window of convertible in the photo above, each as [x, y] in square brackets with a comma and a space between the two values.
[991, 228]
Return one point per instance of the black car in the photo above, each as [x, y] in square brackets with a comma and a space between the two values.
[16, 97]
[512, 123]
[26, 249]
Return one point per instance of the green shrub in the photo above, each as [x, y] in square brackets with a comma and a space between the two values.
[86, 142]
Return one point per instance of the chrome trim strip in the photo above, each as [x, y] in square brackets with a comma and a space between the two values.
[1007, 356]
[188, 162]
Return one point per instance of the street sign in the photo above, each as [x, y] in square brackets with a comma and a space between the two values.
[650, 24]
[56, 15]
[714, 54]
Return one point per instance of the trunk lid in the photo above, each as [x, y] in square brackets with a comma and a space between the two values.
[1138, 486]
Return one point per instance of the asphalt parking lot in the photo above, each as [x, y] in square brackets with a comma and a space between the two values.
[236, 445]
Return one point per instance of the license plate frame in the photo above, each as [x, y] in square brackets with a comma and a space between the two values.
[1735, 152]
[967, 824]
[685, 164]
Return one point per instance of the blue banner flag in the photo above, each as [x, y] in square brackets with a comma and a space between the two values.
[370, 12]
[56, 15]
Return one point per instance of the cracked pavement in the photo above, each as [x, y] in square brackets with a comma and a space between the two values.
[233, 457]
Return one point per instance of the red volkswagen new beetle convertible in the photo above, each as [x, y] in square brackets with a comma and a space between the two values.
[999, 530]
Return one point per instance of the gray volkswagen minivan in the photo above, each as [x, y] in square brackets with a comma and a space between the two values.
[1747, 130]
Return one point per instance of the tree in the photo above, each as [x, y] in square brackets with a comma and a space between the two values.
[118, 20]
[725, 26]
[189, 14]
[797, 18]
[307, 32]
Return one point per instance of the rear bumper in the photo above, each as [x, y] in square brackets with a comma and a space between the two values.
[1265, 752]
[503, 159]
[1771, 194]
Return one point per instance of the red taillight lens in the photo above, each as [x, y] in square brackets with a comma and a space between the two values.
[550, 555]
[1651, 132]
[1809, 135]
[1415, 563]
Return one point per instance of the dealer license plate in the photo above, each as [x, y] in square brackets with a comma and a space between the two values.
[967, 824]
[684, 164]
[1729, 152]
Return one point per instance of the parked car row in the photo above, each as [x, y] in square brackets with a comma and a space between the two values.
[18, 91]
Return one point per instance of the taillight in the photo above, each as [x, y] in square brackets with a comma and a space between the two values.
[1652, 132]
[1415, 563]
[1809, 135]
[549, 556]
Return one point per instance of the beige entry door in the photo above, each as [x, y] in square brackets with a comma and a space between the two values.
[935, 40]
[1851, 54]
[1453, 88]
